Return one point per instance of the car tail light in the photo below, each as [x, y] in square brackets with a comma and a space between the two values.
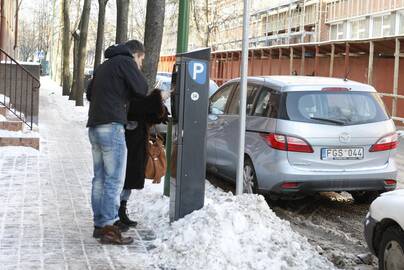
[390, 182]
[335, 89]
[388, 142]
[290, 185]
[287, 143]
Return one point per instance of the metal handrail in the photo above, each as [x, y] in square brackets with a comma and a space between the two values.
[20, 90]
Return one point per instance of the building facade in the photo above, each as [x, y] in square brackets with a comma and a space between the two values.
[364, 19]
[283, 22]
[8, 25]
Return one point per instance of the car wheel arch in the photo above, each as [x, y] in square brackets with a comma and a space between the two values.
[380, 228]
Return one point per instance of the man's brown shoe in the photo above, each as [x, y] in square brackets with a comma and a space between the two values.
[97, 232]
[111, 235]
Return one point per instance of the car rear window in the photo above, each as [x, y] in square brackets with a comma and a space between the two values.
[335, 108]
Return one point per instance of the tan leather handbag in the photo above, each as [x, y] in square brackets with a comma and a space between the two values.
[156, 159]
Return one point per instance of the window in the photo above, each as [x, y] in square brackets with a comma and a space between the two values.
[337, 31]
[401, 23]
[267, 104]
[235, 102]
[382, 26]
[386, 26]
[335, 108]
[219, 100]
[359, 29]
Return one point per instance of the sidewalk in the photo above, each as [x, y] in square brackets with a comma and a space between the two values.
[45, 211]
[45, 214]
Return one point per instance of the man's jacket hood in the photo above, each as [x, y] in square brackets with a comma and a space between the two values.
[118, 49]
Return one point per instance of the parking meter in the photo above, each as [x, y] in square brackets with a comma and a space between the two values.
[189, 108]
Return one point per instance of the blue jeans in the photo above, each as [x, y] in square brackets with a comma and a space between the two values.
[109, 157]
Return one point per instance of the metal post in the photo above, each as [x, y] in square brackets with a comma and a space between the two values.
[370, 64]
[182, 46]
[243, 98]
[346, 63]
[331, 73]
[291, 61]
[302, 61]
[396, 75]
[183, 27]
[316, 60]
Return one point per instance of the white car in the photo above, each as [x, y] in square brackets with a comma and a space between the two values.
[384, 230]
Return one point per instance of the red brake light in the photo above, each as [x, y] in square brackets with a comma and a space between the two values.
[388, 142]
[288, 143]
[335, 89]
[390, 182]
[290, 185]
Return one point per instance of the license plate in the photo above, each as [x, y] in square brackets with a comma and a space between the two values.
[342, 153]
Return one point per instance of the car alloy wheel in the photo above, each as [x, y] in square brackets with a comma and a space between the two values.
[249, 177]
[393, 256]
[391, 249]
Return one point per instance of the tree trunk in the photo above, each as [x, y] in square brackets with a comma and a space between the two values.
[66, 48]
[100, 33]
[122, 20]
[153, 38]
[82, 52]
[76, 40]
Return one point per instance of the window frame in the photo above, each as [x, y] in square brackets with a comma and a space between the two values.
[259, 87]
[232, 85]
[271, 92]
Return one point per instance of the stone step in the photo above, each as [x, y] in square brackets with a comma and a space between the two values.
[11, 125]
[27, 142]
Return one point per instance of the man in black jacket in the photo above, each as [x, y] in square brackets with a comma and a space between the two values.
[115, 83]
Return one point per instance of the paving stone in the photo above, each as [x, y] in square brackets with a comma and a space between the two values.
[45, 210]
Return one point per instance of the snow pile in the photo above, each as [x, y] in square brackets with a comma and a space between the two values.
[230, 232]
[4, 100]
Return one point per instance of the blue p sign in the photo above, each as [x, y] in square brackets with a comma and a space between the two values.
[197, 70]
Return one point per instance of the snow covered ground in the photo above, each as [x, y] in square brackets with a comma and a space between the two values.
[46, 223]
[230, 232]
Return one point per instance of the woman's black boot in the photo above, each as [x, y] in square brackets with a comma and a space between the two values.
[124, 217]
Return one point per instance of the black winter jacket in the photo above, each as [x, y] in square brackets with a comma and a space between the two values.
[116, 81]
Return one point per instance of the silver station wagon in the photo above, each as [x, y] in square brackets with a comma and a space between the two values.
[304, 135]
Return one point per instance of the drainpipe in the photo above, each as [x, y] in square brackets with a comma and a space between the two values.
[17, 11]
[2, 24]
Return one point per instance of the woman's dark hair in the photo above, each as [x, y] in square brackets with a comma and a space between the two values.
[135, 46]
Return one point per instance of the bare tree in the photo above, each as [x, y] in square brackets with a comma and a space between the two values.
[78, 75]
[153, 37]
[137, 15]
[66, 48]
[27, 47]
[122, 20]
[208, 17]
[100, 32]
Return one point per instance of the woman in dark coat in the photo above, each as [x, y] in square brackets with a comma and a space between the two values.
[143, 113]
